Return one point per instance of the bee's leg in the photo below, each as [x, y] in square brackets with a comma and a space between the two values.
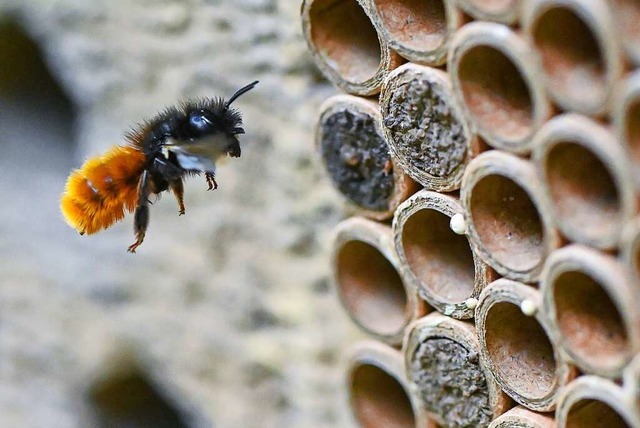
[141, 216]
[211, 181]
[177, 187]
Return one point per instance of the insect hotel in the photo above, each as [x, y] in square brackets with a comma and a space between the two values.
[490, 152]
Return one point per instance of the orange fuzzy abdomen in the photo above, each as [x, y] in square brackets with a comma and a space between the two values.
[98, 194]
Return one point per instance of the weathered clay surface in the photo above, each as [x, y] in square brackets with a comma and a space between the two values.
[451, 382]
[424, 128]
[356, 155]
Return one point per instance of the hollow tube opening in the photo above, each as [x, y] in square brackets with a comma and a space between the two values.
[588, 413]
[583, 190]
[627, 13]
[632, 129]
[441, 259]
[571, 56]
[496, 92]
[420, 25]
[371, 288]
[379, 400]
[590, 323]
[345, 38]
[520, 350]
[635, 256]
[507, 222]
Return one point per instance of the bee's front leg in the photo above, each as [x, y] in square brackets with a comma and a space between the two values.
[177, 187]
[211, 181]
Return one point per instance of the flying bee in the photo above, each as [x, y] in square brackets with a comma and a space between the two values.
[180, 141]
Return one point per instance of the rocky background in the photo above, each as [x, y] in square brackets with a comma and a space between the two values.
[225, 317]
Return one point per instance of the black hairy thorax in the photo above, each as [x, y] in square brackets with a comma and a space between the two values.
[189, 139]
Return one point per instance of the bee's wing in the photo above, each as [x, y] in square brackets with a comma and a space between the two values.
[192, 162]
[199, 155]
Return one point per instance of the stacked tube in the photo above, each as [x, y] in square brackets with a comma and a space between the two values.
[493, 175]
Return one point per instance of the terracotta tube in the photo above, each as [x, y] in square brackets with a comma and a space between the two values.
[426, 130]
[580, 54]
[507, 215]
[346, 46]
[626, 120]
[521, 417]
[587, 177]
[631, 377]
[352, 145]
[630, 248]
[626, 14]
[593, 309]
[444, 371]
[593, 402]
[419, 30]
[365, 270]
[516, 345]
[503, 11]
[378, 391]
[497, 80]
[434, 259]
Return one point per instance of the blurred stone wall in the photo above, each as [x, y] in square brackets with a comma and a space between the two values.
[227, 311]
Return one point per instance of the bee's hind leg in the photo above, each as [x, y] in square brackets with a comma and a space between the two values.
[141, 216]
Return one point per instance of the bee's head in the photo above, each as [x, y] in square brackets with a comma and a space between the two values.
[216, 116]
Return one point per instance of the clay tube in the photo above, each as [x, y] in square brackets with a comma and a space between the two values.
[419, 30]
[593, 402]
[365, 271]
[378, 392]
[581, 58]
[502, 11]
[627, 15]
[444, 369]
[354, 152]
[507, 215]
[517, 347]
[427, 133]
[521, 417]
[630, 248]
[626, 121]
[496, 80]
[587, 177]
[593, 309]
[345, 45]
[436, 260]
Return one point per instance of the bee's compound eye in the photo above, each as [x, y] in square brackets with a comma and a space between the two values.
[199, 121]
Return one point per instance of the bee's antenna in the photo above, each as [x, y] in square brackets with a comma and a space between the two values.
[239, 92]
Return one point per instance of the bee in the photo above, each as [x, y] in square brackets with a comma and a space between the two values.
[181, 141]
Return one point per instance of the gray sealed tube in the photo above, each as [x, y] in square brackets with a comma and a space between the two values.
[446, 374]
[355, 154]
[427, 132]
